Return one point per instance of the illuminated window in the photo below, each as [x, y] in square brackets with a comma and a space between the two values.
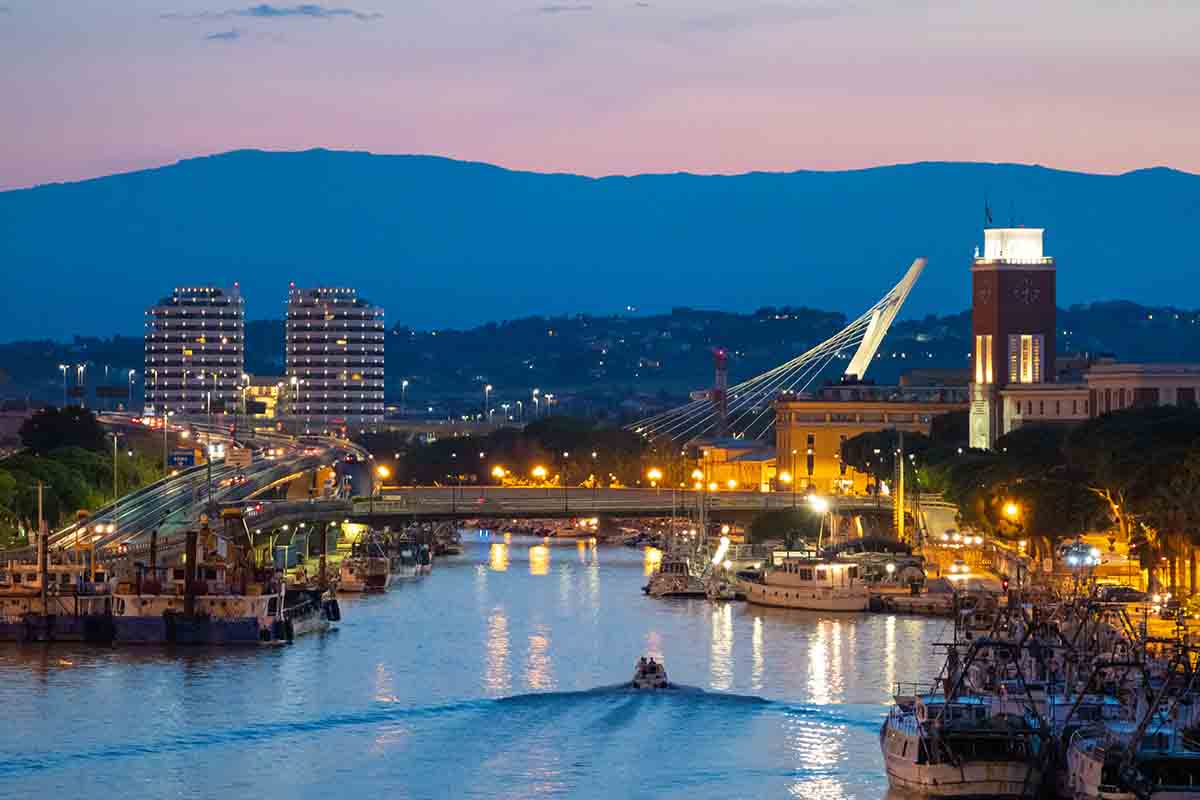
[983, 359]
[1025, 358]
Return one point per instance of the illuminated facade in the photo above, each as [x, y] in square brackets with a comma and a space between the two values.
[809, 431]
[1013, 322]
[195, 350]
[334, 359]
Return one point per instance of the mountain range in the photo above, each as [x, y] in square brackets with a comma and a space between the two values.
[440, 242]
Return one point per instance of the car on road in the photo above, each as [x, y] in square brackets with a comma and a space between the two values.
[1123, 594]
[959, 567]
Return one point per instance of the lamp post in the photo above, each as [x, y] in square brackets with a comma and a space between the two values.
[520, 411]
[539, 473]
[565, 456]
[63, 369]
[487, 392]
[165, 424]
[595, 480]
[80, 381]
[654, 476]
[403, 396]
[537, 405]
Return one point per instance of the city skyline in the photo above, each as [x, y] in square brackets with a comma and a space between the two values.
[599, 88]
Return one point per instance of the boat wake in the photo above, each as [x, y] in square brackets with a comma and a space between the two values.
[602, 711]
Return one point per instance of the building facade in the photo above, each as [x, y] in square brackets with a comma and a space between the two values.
[1013, 321]
[195, 351]
[334, 360]
[1104, 387]
[810, 430]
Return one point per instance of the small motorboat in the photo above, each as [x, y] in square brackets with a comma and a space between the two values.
[649, 674]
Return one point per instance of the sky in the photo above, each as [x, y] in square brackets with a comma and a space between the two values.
[601, 87]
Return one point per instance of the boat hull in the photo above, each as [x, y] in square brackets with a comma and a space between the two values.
[993, 779]
[781, 596]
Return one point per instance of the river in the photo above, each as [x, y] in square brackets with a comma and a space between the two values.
[493, 677]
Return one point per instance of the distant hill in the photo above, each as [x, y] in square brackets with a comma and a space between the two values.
[449, 243]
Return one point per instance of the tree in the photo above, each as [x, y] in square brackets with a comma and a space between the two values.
[52, 428]
[789, 525]
[874, 452]
[1129, 458]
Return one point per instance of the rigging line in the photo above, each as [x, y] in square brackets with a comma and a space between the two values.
[750, 400]
[812, 375]
[833, 349]
[850, 331]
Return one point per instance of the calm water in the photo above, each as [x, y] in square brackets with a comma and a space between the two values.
[494, 677]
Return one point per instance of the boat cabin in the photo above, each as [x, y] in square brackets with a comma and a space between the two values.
[814, 573]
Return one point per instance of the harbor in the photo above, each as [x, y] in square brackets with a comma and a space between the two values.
[477, 659]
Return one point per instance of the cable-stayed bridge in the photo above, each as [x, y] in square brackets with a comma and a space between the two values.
[745, 410]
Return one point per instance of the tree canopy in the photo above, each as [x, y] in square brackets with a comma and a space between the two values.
[52, 428]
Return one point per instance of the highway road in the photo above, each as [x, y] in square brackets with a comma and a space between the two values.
[172, 504]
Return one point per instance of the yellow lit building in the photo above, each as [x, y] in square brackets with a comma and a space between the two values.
[810, 429]
[267, 390]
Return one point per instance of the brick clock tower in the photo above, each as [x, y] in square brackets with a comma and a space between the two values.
[1013, 317]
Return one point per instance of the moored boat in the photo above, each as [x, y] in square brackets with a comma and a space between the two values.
[674, 578]
[809, 583]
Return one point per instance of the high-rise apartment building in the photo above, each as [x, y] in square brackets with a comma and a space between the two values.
[335, 344]
[195, 350]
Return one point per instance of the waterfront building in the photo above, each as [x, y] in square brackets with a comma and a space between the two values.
[334, 360]
[1017, 379]
[1013, 321]
[1105, 386]
[195, 351]
[810, 429]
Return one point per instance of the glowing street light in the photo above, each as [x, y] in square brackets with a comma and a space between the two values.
[785, 477]
[655, 475]
[539, 472]
[731, 483]
[1011, 510]
[498, 472]
[383, 472]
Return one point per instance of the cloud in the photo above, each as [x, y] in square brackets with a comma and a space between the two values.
[5, 10]
[564, 9]
[268, 11]
[224, 36]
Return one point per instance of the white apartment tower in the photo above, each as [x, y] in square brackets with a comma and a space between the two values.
[335, 345]
[195, 350]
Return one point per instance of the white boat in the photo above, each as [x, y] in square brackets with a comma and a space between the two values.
[309, 610]
[809, 583]
[960, 748]
[674, 578]
[1164, 765]
[649, 674]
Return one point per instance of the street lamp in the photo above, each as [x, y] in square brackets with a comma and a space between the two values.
[63, 369]
[537, 406]
[732, 484]
[487, 391]
[498, 472]
[165, 425]
[403, 395]
[1011, 510]
[788, 480]
[655, 475]
[821, 506]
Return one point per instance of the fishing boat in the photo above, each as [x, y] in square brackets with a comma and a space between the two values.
[1130, 761]
[674, 578]
[809, 583]
[959, 746]
[309, 610]
[368, 568]
[403, 559]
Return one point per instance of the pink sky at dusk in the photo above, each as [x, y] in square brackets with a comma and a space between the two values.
[601, 87]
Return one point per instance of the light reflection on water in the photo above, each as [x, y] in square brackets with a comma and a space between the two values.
[479, 681]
